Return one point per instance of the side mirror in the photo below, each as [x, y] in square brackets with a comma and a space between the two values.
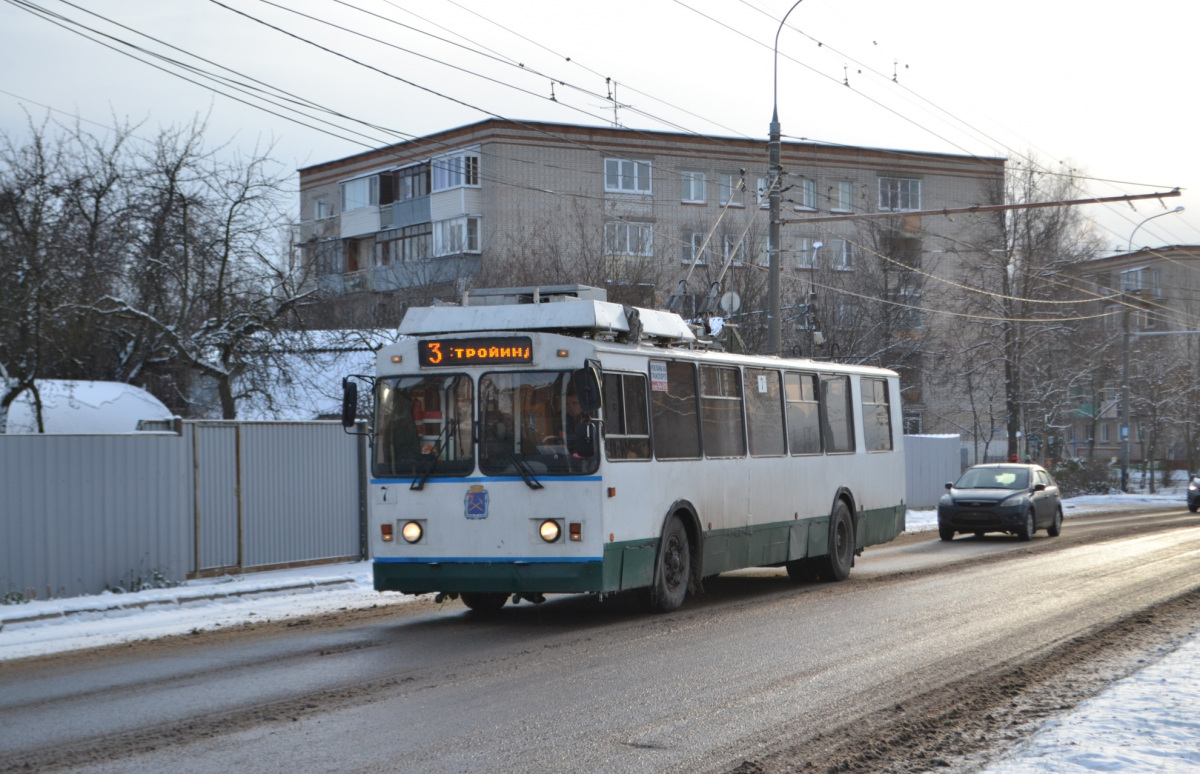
[587, 389]
[949, 485]
[349, 403]
[1039, 487]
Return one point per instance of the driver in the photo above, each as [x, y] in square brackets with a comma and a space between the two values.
[576, 432]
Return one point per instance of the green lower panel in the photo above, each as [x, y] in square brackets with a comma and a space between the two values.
[419, 578]
[630, 564]
[879, 525]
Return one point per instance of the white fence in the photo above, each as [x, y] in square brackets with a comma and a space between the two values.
[79, 513]
[932, 460]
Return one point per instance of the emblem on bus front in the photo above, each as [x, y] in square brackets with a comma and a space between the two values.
[477, 502]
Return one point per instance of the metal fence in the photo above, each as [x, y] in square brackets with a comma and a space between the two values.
[80, 513]
[931, 461]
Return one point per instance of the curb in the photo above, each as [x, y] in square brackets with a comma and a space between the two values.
[181, 602]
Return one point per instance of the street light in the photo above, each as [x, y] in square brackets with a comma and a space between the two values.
[1124, 429]
[773, 321]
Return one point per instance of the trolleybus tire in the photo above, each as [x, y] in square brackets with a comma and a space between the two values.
[835, 566]
[673, 570]
[484, 603]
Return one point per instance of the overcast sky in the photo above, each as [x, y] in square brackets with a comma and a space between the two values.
[1102, 87]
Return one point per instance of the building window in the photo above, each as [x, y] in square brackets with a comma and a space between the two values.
[808, 195]
[841, 255]
[693, 242]
[735, 250]
[456, 171]
[360, 194]
[320, 210]
[899, 194]
[806, 253]
[694, 185]
[412, 182]
[456, 236]
[625, 176]
[730, 187]
[843, 196]
[401, 245]
[1104, 432]
[622, 237]
[763, 192]
[330, 257]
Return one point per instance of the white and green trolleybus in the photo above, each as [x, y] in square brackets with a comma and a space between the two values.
[536, 441]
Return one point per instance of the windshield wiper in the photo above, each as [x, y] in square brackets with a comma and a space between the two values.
[523, 468]
[442, 440]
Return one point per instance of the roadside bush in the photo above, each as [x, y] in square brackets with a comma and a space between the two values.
[135, 582]
[1083, 477]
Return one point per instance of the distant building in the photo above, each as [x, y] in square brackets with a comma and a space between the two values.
[1154, 293]
[505, 203]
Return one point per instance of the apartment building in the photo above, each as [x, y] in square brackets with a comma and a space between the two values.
[1153, 295]
[506, 203]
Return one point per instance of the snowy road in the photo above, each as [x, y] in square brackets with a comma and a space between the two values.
[744, 662]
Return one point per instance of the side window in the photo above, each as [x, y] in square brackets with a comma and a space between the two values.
[721, 412]
[803, 413]
[626, 426]
[673, 413]
[764, 412]
[876, 414]
[838, 420]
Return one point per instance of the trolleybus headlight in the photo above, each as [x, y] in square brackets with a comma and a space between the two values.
[549, 530]
[412, 531]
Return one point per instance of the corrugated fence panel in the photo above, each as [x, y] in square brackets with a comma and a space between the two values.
[931, 461]
[79, 513]
[300, 494]
[216, 450]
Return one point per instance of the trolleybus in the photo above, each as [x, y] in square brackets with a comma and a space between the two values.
[536, 441]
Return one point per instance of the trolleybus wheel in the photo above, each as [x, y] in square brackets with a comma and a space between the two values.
[484, 603]
[835, 566]
[673, 569]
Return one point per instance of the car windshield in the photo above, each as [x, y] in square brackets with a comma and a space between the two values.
[530, 424]
[993, 478]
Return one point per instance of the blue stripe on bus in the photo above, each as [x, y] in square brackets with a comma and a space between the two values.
[479, 479]
[487, 560]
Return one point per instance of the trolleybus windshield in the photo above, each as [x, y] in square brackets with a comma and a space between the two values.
[530, 422]
[423, 426]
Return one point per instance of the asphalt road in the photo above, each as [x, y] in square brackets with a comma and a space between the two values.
[755, 666]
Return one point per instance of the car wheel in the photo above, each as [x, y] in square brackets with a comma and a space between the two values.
[673, 569]
[484, 603]
[946, 533]
[1055, 528]
[1193, 507]
[835, 566]
[1028, 528]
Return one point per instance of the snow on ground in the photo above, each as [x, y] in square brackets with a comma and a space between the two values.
[1149, 722]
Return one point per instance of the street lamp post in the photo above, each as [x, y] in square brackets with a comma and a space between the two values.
[1124, 429]
[773, 202]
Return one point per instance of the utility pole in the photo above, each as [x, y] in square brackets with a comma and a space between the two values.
[776, 183]
[1123, 430]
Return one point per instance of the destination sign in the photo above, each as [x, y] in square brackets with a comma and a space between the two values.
[491, 350]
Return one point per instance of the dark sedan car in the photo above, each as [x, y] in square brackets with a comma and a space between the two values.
[1018, 499]
[1193, 494]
